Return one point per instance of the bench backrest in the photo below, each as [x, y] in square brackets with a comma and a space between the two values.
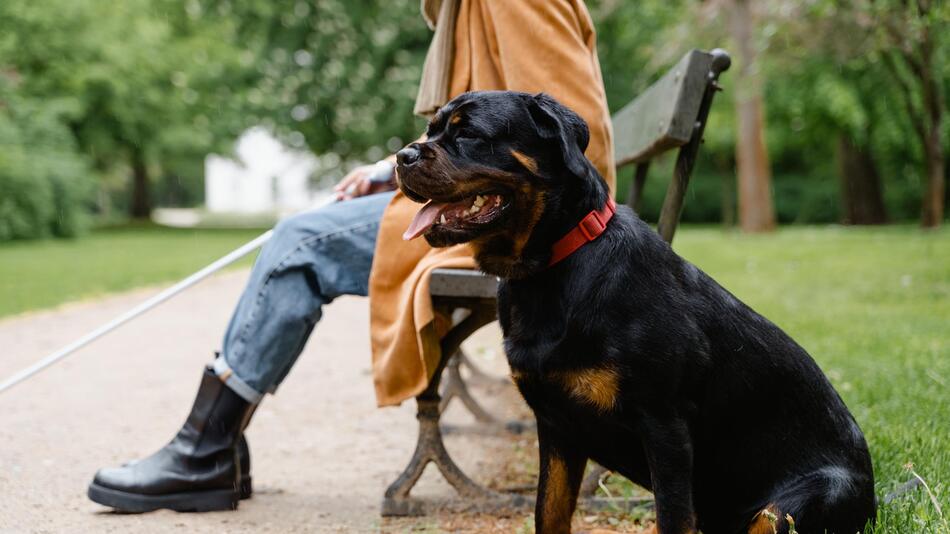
[671, 113]
[662, 117]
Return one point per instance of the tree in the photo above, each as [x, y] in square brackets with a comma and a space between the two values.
[756, 211]
[146, 78]
[908, 35]
[861, 196]
[825, 107]
[335, 76]
[45, 183]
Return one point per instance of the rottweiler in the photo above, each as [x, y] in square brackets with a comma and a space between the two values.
[628, 354]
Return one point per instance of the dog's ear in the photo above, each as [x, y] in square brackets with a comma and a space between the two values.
[556, 122]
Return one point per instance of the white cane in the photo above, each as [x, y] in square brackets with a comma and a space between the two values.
[221, 263]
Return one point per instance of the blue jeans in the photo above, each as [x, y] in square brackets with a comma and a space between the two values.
[311, 259]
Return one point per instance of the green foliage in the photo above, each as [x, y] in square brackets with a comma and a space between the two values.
[172, 80]
[828, 78]
[799, 199]
[142, 77]
[825, 78]
[45, 184]
[632, 52]
[335, 75]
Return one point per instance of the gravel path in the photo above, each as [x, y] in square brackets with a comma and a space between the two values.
[322, 452]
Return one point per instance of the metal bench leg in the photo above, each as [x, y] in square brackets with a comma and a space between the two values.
[455, 387]
[431, 448]
[477, 377]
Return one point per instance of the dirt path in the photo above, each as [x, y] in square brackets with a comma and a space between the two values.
[322, 452]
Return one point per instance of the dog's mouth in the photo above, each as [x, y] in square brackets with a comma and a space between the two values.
[461, 214]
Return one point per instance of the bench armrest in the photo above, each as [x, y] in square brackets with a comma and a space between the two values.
[664, 116]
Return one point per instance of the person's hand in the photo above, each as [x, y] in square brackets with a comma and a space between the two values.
[366, 180]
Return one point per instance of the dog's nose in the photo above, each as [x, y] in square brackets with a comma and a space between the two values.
[408, 155]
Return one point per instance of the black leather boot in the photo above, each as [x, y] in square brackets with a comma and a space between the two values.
[244, 459]
[199, 471]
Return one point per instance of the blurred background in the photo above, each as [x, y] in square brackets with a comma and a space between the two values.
[110, 111]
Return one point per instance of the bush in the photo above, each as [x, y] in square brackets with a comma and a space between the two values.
[45, 184]
[799, 198]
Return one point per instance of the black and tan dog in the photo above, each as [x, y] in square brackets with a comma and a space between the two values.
[628, 354]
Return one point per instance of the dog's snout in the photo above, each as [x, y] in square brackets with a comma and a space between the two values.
[408, 155]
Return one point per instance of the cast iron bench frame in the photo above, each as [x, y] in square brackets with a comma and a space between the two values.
[671, 113]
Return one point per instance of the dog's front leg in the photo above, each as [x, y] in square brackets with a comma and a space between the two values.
[562, 470]
[669, 453]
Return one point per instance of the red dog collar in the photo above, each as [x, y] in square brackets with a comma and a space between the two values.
[586, 231]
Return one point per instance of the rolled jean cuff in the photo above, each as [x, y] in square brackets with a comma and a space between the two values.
[233, 381]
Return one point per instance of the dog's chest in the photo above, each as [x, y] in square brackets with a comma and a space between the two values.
[590, 389]
[555, 356]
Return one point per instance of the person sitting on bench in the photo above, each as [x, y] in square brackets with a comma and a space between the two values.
[355, 247]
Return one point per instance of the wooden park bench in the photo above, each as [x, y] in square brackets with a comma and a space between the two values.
[670, 114]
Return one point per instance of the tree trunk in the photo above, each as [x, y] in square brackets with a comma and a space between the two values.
[862, 201]
[934, 156]
[756, 212]
[141, 205]
[933, 107]
[932, 213]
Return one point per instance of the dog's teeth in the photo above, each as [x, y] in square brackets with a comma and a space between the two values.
[479, 201]
[442, 219]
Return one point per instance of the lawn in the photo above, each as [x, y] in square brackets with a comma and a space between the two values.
[42, 274]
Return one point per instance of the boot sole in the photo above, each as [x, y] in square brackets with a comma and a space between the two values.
[194, 501]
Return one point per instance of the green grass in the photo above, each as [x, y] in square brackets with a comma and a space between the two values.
[872, 306]
[42, 274]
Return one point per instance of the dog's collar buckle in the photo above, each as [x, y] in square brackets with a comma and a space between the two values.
[589, 229]
[592, 225]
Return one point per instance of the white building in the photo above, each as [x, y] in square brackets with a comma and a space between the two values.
[265, 177]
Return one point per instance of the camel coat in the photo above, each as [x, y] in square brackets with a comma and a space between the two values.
[519, 45]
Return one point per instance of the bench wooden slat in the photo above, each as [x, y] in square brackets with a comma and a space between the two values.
[462, 283]
[663, 116]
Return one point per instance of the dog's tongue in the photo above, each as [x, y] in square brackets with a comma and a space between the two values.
[423, 220]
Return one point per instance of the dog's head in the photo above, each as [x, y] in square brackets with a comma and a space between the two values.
[505, 171]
